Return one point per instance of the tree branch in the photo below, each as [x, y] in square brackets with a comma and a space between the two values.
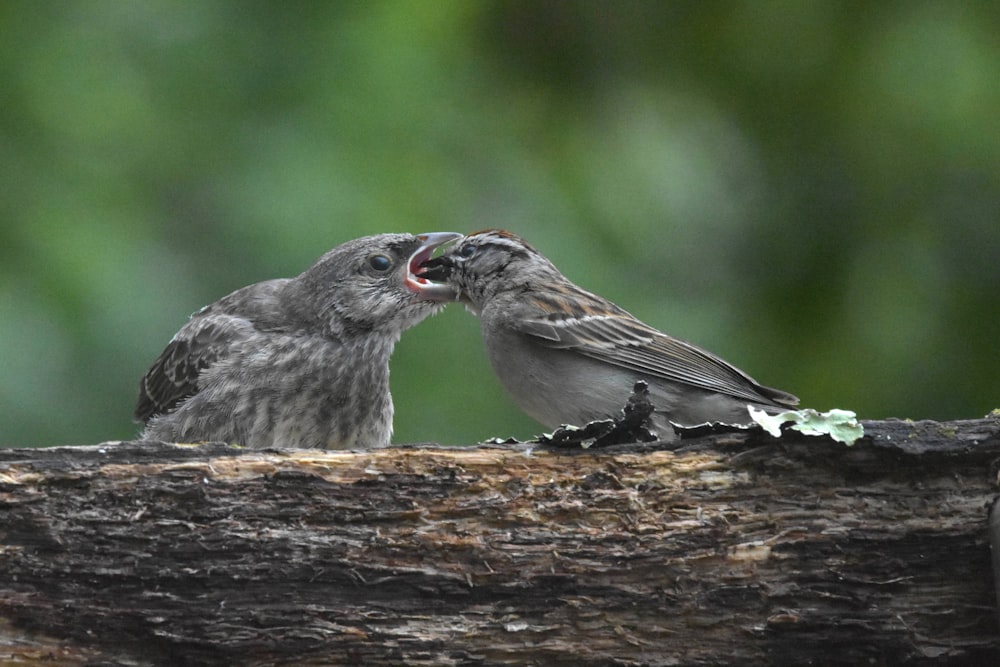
[725, 549]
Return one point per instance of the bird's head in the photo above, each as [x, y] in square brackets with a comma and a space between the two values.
[487, 263]
[372, 284]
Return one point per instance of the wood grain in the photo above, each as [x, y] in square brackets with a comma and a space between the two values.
[725, 549]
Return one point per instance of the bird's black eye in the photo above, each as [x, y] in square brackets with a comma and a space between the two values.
[380, 262]
[467, 251]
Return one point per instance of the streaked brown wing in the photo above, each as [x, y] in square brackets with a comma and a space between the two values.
[212, 334]
[173, 377]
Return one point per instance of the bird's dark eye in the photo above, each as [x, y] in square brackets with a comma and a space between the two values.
[380, 262]
[467, 251]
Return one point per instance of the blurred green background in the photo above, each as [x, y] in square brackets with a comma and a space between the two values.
[809, 189]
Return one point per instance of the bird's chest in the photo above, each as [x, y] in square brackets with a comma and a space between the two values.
[554, 386]
[310, 393]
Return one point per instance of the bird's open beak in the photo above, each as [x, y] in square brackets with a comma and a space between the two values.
[415, 280]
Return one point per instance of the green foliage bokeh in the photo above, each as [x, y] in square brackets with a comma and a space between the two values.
[809, 189]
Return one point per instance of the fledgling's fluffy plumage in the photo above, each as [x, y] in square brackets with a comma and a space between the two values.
[568, 356]
[297, 362]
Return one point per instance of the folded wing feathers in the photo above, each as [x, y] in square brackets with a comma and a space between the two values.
[628, 343]
[203, 341]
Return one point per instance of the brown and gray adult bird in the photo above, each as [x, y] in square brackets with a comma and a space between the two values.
[298, 362]
[567, 356]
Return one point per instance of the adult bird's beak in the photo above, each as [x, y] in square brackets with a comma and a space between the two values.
[417, 281]
[437, 268]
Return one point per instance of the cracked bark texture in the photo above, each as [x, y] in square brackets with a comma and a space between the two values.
[724, 549]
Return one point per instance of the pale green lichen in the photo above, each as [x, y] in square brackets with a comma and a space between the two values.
[841, 425]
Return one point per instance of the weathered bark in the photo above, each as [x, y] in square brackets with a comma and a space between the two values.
[727, 549]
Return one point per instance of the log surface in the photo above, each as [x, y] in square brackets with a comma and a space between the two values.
[725, 549]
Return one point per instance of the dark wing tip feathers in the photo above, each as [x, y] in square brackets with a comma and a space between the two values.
[716, 374]
[145, 408]
[778, 396]
[172, 378]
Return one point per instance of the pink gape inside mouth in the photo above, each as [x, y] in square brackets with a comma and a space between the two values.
[414, 281]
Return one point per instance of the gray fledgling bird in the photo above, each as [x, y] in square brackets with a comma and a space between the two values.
[297, 362]
[567, 356]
